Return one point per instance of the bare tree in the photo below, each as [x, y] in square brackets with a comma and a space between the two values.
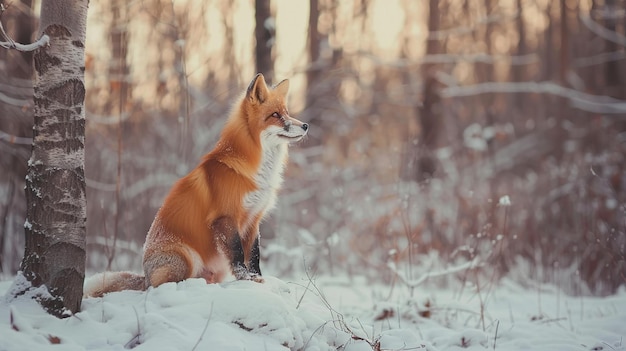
[313, 72]
[429, 115]
[16, 124]
[264, 33]
[55, 225]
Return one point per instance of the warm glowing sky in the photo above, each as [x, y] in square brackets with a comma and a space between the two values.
[203, 48]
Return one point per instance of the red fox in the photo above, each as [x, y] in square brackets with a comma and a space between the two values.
[208, 226]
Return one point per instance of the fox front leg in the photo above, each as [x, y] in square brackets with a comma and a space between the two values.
[227, 238]
[240, 269]
[237, 259]
[255, 258]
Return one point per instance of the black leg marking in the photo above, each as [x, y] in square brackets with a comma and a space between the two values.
[255, 258]
[227, 237]
[237, 260]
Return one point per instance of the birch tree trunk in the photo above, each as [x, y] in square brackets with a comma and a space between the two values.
[55, 226]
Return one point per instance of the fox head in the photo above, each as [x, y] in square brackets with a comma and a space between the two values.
[267, 113]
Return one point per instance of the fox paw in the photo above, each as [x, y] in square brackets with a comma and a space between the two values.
[256, 278]
[253, 277]
[242, 273]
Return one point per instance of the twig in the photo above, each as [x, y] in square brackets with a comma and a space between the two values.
[11, 44]
[132, 343]
[414, 283]
[15, 102]
[495, 337]
[580, 100]
[602, 31]
[12, 139]
[305, 290]
[446, 33]
[43, 41]
[206, 326]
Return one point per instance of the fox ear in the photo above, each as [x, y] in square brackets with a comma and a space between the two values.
[282, 88]
[257, 90]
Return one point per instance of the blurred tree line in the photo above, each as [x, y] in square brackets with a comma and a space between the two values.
[424, 114]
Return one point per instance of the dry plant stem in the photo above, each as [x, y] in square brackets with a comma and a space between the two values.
[118, 178]
[495, 337]
[338, 319]
[184, 81]
[482, 301]
[500, 244]
[135, 341]
[407, 231]
[206, 326]
[310, 278]
[419, 281]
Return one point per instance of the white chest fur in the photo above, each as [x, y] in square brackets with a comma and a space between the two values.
[268, 179]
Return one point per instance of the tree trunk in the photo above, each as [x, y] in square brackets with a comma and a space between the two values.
[614, 82]
[15, 82]
[313, 72]
[56, 214]
[264, 33]
[314, 44]
[429, 116]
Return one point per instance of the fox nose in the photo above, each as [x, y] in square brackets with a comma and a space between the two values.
[305, 126]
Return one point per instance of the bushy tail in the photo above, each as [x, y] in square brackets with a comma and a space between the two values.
[103, 283]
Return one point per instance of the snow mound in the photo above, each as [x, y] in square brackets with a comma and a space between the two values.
[175, 316]
[326, 314]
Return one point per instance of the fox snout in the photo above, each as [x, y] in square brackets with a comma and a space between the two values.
[295, 123]
[293, 130]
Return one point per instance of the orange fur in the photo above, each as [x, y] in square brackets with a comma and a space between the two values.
[211, 216]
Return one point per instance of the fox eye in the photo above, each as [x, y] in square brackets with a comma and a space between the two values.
[276, 115]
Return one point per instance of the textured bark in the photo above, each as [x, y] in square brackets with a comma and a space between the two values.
[55, 184]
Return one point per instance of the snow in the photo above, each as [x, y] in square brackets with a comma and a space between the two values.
[327, 313]
[504, 201]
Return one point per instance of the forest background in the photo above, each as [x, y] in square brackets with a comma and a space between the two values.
[441, 131]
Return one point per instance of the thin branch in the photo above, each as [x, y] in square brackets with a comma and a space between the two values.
[11, 44]
[599, 59]
[12, 139]
[602, 31]
[206, 326]
[583, 101]
[416, 282]
[43, 41]
[445, 33]
[152, 180]
[514, 60]
[13, 101]
[106, 119]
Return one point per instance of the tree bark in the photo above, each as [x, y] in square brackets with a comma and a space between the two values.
[55, 227]
[429, 115]
[16, 83]
[313, 72]
[264, 33]
[614, 83]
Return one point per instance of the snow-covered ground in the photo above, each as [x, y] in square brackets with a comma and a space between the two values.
[321, 314]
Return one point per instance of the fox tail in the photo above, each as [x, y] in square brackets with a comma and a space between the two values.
[104, 283]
